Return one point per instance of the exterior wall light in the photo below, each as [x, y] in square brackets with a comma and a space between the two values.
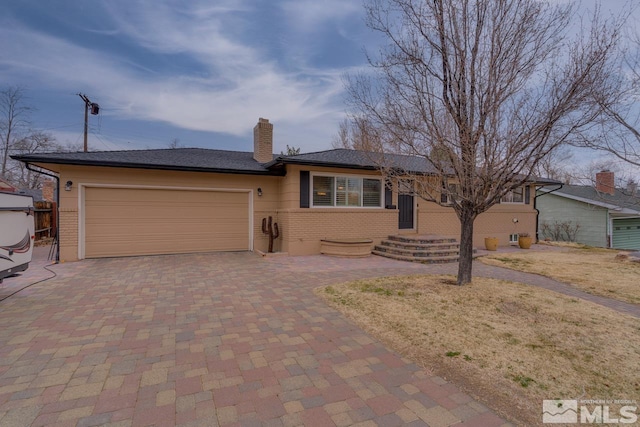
[259, 191]
[68, 185]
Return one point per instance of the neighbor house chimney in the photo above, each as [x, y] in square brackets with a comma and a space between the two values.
[605, 182]
[263, 141]
[47, 190]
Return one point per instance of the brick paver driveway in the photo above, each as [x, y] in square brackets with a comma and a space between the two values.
[208, 340]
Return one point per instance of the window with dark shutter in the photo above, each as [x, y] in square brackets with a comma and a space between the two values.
[304, 189]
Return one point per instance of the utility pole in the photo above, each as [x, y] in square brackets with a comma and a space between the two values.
[95, 108]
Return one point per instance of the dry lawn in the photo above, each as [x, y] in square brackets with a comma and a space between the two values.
[593, 270]
[508, 344]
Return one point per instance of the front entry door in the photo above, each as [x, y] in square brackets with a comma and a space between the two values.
[405, 206]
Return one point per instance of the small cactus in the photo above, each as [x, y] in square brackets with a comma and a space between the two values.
[271, 228]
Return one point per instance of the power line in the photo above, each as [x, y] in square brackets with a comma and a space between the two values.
[95, 109]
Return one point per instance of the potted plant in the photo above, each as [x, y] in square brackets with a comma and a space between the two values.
[524, 240]
[491, 243]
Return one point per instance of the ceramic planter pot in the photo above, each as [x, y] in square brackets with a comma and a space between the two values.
[491, 243]
[524, 242]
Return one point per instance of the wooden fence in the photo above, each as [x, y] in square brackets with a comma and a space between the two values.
[45, 219]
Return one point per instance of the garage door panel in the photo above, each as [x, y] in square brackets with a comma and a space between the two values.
[146, 221]
[626, 233]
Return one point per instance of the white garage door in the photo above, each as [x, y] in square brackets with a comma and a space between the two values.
[127, 221]
[626, 233]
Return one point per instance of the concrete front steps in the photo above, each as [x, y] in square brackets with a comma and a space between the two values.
[423, 249]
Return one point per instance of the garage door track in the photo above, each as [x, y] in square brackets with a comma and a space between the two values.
[209, 340]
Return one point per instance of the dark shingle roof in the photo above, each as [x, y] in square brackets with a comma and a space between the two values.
[207, 160]
[190, 159]
[345, 158]
[620, 198]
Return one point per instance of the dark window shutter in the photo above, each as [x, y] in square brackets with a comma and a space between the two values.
[304, 189]
[443, 194]
[527, 194]
[388, 194]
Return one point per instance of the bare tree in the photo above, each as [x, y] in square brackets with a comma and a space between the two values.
[618, 129]
[35, 142]
[291, 151]
[343, 139]
[357, 133]
[556, 165]
[560, 231]
[175, 143]
[493, 86]
[14, 121]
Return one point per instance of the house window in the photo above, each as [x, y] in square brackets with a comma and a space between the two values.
[323, 190]
[346, 191]
[371, 192]
[513, 239]
[454, 190]
[514, 196]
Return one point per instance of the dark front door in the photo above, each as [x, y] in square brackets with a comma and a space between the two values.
[405, 206]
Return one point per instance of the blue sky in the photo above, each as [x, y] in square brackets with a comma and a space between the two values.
[202, 71]
[199, 71]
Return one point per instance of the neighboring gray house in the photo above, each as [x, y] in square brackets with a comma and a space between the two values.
[606, 216]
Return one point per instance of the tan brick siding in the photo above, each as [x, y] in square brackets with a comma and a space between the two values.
[262, 206]
[68, 234]
[300, 229]
[304, 228]
[496, 222]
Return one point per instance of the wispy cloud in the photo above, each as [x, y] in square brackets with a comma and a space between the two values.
[236, 82]
[310, 15]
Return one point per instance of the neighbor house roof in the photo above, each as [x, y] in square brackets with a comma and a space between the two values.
[184, 159]
[620, 200]
[5, 186]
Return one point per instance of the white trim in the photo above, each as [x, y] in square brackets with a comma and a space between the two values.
[616, 218]
[346, 175]
[81, 201]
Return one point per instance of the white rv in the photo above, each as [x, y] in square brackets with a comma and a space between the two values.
[16, 233]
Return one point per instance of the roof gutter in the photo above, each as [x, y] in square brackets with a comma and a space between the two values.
[57, 236]
[280, 161]
[26, 159]
[535, 202]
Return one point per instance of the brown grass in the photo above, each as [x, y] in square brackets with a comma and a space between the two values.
[509, 344]
[593, 270]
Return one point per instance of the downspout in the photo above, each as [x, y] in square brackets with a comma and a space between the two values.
[57, 206]
[535, 201]
[609, 230]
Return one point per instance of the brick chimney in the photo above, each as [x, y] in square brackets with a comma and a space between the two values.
[263, 141]
[47, 190]
[605, 182]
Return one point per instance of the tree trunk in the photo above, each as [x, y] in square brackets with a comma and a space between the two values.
[465, 263]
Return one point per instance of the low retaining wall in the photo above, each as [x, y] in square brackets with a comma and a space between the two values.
[353, 248]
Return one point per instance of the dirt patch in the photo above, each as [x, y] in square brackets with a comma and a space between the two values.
[507, 344]
[593, 270]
